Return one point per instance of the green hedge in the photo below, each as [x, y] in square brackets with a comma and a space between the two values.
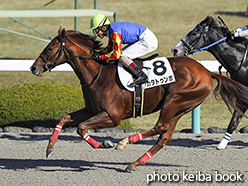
[40, 104]
[38, 101]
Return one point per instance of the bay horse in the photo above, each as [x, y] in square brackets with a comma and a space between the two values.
[108, 102]
[214, 36]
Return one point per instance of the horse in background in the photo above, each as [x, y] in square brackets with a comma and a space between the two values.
[215, 38]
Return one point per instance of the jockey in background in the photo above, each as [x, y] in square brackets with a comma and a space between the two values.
[139, 41]
[241, 32]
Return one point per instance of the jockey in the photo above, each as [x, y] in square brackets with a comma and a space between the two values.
[139, 41]
[241, 32]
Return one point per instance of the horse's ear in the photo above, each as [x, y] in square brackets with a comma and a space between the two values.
[61, 33]
[208, 19]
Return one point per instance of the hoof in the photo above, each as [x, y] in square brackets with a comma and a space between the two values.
[122, 144]
[222, 145]
[220, 148]
[108, 144]
[49, 153]
[130, 169]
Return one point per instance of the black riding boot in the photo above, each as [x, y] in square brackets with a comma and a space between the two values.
[140, 76]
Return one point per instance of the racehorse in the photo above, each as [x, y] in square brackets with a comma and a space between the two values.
[108, 102]
[230, 52]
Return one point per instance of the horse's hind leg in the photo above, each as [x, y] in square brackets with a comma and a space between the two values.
[166, 130]
[158, 128]
[136, 137]
[231, 127]
[165, 126]
[175, 106]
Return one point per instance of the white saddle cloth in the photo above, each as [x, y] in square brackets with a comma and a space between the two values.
[158, 70]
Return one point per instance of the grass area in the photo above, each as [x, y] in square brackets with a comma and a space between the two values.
[9, 79]
[169, 20]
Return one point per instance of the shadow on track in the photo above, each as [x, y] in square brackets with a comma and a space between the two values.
[48, 165]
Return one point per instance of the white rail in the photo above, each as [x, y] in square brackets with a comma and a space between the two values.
[54, 13]
[24, 65]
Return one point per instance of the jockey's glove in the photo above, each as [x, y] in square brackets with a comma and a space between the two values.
[96, 56]
[236, 32]
[231, 35]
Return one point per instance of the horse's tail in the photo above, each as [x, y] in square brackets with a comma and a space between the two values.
[233, 93]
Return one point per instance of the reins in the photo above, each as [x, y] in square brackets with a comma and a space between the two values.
[207, 47]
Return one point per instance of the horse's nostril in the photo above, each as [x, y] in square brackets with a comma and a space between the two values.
[33, 69]
[175, 51]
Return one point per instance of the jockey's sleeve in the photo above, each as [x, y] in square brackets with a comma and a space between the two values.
[113, 51]
[241, 32]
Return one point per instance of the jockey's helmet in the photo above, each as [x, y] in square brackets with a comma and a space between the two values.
[98, 20]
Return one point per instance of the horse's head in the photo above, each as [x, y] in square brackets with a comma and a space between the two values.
[204, 33]
[52, 55]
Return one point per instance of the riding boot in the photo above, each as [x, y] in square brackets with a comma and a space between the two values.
[140, 76]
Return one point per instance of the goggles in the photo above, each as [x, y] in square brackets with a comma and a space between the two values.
[97, 30]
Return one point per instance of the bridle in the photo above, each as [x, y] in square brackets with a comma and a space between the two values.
[50, 66]
[191, 46]
[62, 48]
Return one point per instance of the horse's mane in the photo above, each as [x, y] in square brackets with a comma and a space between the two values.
[222, 28]
[84, 40]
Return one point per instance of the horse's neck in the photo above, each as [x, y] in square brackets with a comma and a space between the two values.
[229, 56]
[85, 69]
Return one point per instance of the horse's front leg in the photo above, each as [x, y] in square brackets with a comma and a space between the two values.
[62, 121]
[101, 120]
[78, 116]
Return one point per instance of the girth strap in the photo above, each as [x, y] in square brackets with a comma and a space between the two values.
[138, 105]
[138, 97]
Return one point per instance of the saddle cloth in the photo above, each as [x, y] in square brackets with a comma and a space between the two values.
[158, 70]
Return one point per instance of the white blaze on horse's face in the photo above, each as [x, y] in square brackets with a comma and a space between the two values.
[179, 49]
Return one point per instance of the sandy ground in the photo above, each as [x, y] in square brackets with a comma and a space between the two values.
[187, 160]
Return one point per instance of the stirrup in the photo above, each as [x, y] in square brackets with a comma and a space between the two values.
[138, 81]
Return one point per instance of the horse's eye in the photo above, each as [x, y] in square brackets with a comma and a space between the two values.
[50, 49]
[194, 33]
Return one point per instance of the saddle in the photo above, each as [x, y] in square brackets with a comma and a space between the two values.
[141, 60]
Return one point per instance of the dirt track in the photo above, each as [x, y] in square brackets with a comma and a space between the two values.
[23, 161]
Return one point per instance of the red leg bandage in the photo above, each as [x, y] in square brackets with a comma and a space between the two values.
[91, 141]
[135, 137]
[133, 65]
[145, 157]
[56, 132]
